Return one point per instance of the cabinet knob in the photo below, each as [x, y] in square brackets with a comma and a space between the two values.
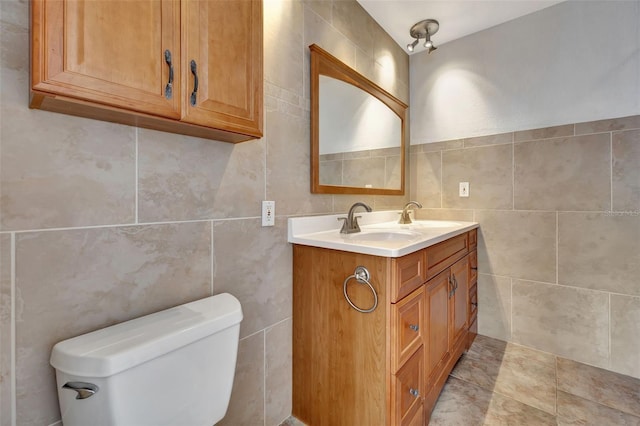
[414, 327]
[414, 392]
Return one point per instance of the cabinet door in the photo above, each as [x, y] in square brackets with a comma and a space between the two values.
[437, 313]
[460, 299]
[108, 52]
[223, 49]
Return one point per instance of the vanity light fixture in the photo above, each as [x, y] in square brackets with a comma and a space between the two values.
[423, 29]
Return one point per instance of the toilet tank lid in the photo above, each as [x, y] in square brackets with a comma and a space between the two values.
[108, 351]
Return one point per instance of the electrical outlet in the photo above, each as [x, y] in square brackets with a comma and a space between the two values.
[268, 213]
[464, 189]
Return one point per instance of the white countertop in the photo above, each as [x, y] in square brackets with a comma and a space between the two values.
[380, 234]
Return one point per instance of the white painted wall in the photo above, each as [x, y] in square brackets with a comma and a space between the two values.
[353, 120]
[573, 62]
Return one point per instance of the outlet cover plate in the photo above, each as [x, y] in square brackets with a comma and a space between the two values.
[464, 189]
[268, 213]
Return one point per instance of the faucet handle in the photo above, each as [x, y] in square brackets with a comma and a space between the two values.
[404, 216]
[355, 224]
[344, 228]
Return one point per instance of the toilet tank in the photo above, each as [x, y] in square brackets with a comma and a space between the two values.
[173, 367]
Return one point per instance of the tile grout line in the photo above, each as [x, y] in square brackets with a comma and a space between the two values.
[13, 332]
[135, 185]
[120, 225]
[265, 156]
[511, 311]
[264, 377]
[610, 365]
[557, 247]
[212, 256]
[441, 182]
[611, 171]
[555, 363]
[513, 171]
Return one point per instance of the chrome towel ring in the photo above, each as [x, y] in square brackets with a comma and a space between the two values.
[361, 274]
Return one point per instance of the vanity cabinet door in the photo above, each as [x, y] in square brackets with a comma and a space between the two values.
[473, 266]
[460, 298]
[108, 52]
[437, 323]
[223, 53]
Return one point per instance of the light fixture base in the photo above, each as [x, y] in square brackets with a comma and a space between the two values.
[422, 28]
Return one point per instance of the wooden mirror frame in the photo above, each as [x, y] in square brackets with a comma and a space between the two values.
[323, 63]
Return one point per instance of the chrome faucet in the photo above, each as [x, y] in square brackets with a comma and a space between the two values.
[404, 216]
[350, 224]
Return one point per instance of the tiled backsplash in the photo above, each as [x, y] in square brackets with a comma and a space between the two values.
[559, 214]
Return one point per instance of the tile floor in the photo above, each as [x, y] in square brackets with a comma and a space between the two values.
[500, 383]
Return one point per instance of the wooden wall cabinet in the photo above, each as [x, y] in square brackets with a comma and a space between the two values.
[389, 366]
[184, 66]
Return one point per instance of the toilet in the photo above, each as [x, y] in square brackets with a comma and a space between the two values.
[173, 368]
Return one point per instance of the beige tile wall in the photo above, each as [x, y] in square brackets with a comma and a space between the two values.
[362, 168]
[100, 222]
[559, 243]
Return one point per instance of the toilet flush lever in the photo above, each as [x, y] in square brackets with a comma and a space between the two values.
[85, 390]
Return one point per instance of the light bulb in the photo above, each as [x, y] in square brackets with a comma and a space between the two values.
[410, 46]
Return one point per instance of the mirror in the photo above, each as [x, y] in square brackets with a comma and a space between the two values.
[357, 131]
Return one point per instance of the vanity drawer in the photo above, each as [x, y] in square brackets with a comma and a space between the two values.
[473, 266]
[407, 390]
[415, 419]
[473, 238]
[409, 274]
[407, 327]
[445, 254]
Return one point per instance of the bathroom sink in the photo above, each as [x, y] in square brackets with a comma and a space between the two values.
[384, 236]
[381, 234]
[434, 224]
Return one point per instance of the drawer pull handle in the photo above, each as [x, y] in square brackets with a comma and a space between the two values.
[194, 71]
[361, 275]
[474, 304]
[451, 288]
[475, 268]
[414, 392]
[414, 327]
[168, 90]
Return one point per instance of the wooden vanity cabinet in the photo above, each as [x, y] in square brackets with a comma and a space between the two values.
[131, 63]
[473, 288]
[386, 367]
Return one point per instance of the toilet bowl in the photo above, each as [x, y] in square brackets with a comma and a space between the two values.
[173, 367]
